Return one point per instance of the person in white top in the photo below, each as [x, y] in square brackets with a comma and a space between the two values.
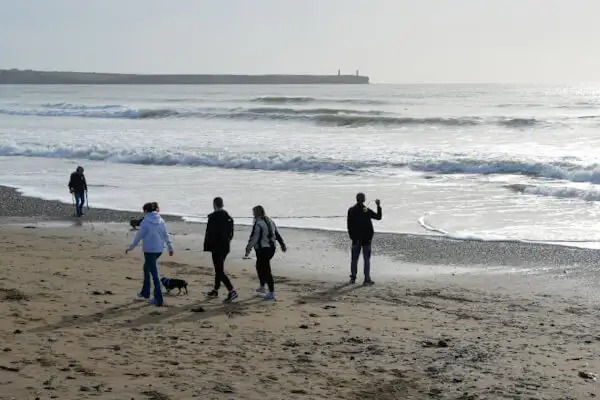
[262, 240]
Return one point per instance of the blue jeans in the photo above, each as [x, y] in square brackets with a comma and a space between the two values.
[151, 271]
[357, 246]
[79, 203]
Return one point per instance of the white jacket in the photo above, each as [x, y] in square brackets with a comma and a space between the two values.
[259, 238]
[153, 233]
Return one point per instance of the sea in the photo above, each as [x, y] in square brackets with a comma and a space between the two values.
[470, 162]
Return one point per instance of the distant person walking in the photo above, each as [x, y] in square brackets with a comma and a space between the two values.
[262, 240]
[219, 232]
[78, 188]
[154, 236]
[360, 230]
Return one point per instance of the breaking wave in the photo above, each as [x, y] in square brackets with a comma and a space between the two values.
[312, 111]
[517, 122]
[86, 111]
[550, 170]
[340, 117]
[563, 192]
[266, 162]
[419, 162]
[304, 100]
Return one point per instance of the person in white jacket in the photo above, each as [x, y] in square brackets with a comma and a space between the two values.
[154, 236]
[262, 239]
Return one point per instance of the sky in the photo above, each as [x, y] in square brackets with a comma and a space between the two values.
[392, 41]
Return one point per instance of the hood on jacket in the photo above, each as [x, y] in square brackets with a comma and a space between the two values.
[153, 218]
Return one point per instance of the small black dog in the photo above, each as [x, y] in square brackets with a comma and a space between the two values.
[135, 223]
[170, 284]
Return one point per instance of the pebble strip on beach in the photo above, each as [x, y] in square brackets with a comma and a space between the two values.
[14, 204]
[406, 248]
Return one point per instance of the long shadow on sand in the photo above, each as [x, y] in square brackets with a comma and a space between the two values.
[329, 295]
[76, 320]
[154, 317]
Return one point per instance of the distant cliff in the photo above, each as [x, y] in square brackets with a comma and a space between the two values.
[15, 76]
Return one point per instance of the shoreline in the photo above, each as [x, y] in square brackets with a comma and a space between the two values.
[427, 250]
[15, 204]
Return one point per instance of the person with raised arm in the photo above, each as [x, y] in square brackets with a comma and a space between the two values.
[361, 232]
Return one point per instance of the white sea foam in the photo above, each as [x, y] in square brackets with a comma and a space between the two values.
[386, 140]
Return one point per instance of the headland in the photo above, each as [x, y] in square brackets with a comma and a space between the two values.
[31, 77]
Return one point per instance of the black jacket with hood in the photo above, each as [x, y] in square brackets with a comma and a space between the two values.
[77, 183]
[219, 232]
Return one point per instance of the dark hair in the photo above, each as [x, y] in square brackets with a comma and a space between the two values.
[360, 197]
[218, 202]
[150, 207]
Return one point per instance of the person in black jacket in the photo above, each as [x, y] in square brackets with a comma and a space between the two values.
[78, 187]
[360, 230]
[219, 232]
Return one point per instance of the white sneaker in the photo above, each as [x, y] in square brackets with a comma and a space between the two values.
[269, 296]
[260, 289]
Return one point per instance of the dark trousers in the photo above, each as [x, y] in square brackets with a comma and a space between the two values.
[220, 276]
[151, 273]
[79, 202]
[357, 246]
[263, 267]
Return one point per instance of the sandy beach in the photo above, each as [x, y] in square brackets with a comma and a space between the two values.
[445, 320]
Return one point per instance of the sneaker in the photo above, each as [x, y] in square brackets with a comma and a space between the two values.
[212, 293]
[141, 296]
[155, 303]
[368, 282]
[260, 289]
[230, 296]
[352, 280]
[269, 296]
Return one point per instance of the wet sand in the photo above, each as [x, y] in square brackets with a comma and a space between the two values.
[525, 326]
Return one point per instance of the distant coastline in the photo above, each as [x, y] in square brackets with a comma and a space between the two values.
[31, 77]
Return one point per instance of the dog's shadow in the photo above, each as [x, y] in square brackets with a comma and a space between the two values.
[175, 294]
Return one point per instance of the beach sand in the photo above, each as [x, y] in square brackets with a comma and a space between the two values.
[71, 327]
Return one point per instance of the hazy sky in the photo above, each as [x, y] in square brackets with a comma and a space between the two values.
[389, 40]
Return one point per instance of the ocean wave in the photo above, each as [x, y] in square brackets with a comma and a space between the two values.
[490, 237]
[312, 111]
[304, 100]
[568, 170]
[266, 162]
[360, 120]
[321, 116]
[70, 106]
[517, 122]
[116, 112]
[560, 170]
[282, 99]
[517, 105]
[563, 192]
